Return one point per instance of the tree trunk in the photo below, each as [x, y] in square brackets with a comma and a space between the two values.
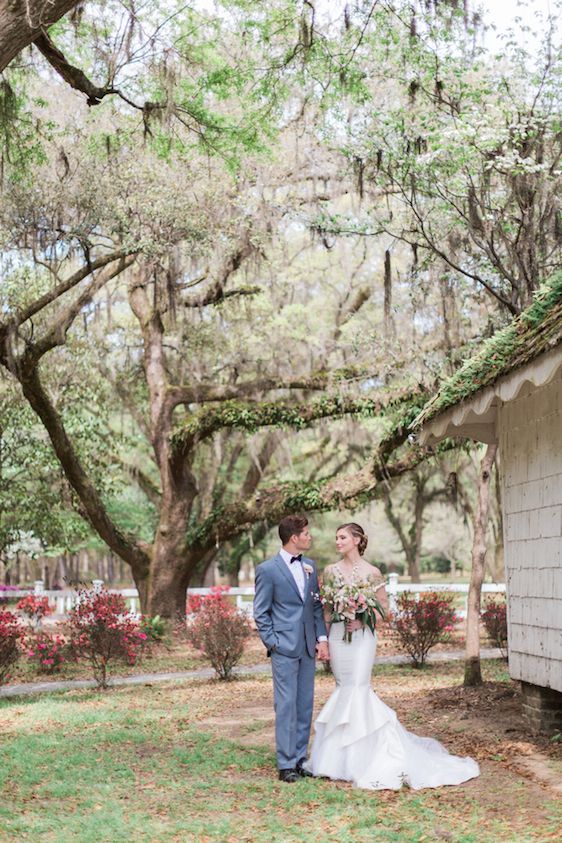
[472, 672]
[172, 566]
[22, 21]
[169, 579]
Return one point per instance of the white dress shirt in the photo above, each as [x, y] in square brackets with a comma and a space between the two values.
[297, 572]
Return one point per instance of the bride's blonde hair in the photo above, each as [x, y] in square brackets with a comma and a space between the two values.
[357, 532]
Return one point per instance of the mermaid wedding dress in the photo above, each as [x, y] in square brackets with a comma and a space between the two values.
[359, 739]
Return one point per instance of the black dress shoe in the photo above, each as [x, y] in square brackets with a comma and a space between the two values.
[302, 772]
[288, 776]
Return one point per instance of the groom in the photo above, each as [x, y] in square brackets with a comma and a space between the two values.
[289, 618]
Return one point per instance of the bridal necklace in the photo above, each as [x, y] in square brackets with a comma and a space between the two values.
[354, 573]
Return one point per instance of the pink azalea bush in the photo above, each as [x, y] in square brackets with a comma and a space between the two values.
[47, 652]
[101, 630]
[34, 608]
[219, 630]
[11, 638]
[419, 625]
[494, 617]
[195, 601]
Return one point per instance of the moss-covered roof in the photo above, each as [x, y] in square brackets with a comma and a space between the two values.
[535, 331]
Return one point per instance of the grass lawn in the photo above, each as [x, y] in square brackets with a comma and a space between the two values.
[194, 762]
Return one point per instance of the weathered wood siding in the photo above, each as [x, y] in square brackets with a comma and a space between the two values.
[530, 432]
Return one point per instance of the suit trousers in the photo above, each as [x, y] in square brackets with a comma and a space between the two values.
[293, 696]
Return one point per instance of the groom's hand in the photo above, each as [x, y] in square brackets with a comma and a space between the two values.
[323, 651]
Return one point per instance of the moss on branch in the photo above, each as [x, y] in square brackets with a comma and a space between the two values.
[536, 331]
[254, 416]
[349, 491]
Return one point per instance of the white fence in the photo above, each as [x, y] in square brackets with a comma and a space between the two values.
[62, 601]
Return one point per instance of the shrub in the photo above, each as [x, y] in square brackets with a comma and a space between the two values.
[195, 601]
[494, 617]
[421, 624]
[47, 652]
[154, 628]
[102, 630]
[219, 630]
[34, 608]
[11, 635]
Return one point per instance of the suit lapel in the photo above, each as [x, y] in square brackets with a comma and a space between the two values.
[306, 579]
[286, 573]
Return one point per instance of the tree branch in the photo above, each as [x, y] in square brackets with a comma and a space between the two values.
[21, 22]
[56, 334]
[75, 77]
[227, 266]
[127, 549]
[145, 483]
[258, 466]
[210, 392]
[350, 490]
[252, 417]
[273, 504]
[64, 286]
[218, 294]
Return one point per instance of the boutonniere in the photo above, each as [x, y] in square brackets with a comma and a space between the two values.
[307, 568]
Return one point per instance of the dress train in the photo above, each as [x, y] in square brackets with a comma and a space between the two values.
[359, 738]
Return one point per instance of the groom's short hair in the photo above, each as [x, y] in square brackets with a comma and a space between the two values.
[292, 525]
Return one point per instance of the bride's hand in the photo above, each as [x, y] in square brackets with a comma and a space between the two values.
[351, 626]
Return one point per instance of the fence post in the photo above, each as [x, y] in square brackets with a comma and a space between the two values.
[392, 591]
[38, 587]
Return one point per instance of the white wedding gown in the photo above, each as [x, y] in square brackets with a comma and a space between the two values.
[359, 739]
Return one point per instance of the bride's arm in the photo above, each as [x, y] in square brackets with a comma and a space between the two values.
[380, 584]
[326, 575]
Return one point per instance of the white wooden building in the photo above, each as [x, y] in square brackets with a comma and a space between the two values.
[511, 393]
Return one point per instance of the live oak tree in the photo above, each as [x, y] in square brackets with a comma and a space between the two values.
[142, 265]
[125, 236]
[22, 21]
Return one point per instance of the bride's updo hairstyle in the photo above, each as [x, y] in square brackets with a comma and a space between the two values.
[357, 532]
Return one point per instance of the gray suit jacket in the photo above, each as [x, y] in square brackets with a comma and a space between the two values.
[286, 623]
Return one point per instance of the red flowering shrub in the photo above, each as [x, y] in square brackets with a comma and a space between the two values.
[494, 617]
[11, 635]
[219, 630]
[421, 624]
[35, 608]
[101, 630]
[195, 601]
[47, 652]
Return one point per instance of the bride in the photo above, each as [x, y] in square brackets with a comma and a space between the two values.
[357, 737]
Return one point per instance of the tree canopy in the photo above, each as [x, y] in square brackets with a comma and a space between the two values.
[237, 248]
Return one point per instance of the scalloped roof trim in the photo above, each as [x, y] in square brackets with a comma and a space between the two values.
[476, 410]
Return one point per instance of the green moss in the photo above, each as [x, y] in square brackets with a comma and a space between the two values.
[537, 330]
[254, 416]
[231, 519]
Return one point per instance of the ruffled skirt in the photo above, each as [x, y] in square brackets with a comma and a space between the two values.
[358, 738]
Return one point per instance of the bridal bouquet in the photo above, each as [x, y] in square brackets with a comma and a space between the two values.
[349, 602]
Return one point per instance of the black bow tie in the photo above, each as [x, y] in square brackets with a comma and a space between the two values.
[296, 558]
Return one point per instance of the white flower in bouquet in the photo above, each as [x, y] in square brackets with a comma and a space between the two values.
[352, 601]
